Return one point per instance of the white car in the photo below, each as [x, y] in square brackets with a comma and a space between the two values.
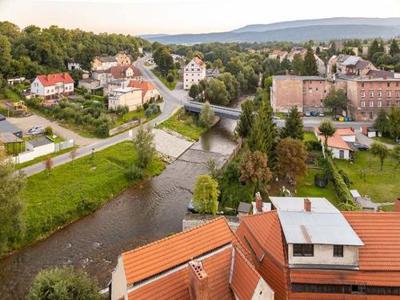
[35, 130]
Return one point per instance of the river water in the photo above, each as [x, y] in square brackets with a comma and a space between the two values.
[139, 215]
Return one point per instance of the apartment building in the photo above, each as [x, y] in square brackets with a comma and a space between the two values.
[307, 249]
[129, 97]
[52, 85]
[194, 72]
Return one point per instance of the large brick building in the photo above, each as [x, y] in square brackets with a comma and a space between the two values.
[367, 95]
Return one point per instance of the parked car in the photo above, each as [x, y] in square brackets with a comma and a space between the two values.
[360, 147]
[321, 114]
[35, 130]
[307, 114]
[314, 114]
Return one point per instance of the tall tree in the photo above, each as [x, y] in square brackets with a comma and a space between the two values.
[396, 155]
[5, 55]
[254, 170]
[375, 48]
[394, 120]
[207, 115]
[382, 123]
[216, 92]
[205, 195]
[381, 151]
[310, 64]
[264, 134]
[63, 283]
[336, 100]
[246, 120]
[394, 48]
[294, 125]
[194, 91]
[298, 65]
[11, 223]
[291, 158]
[327, 130]
[144, 144]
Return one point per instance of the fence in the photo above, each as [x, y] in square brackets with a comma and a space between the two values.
[124, 127]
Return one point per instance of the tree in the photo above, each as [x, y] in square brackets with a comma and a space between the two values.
[394, 48]
[144, 144]
[246, 120]
[216, 92]
[381, 151]
[194, 91]
[5, 55]
[396, 155]
[263, 135]
[231, 84]
[375, 48]
[382, 123]
[394, 120]
[254, 170]
[327, 130]
[293, 125]
[164, 60]
[207, 115]
[291, 158]
[336, 100]
[298, 65]
[170, 78]
[205, 196]
[310, 64]
[11, 223]
[63, 283]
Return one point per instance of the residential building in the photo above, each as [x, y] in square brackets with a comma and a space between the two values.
[278, 54]
[125, 71]
[12, 81]
[307, 249]
[123, 59]
[149, 91]
[73, 66]
[194, 72]
[52, 85]
[212, 73]
[340, 144]
[129, 97]
[89, 84]
[206, 262]
[349, 65]
[101, 63]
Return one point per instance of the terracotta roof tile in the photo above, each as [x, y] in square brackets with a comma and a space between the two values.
[336, 141]
[52, 79]
[164, 254]
[143, 85]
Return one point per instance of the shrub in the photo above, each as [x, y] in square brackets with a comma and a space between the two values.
[48, 131]
[313, 146]
[86, 206]
[134, 173]
[170, 78]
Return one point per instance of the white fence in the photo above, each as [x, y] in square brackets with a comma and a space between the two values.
[41, 151]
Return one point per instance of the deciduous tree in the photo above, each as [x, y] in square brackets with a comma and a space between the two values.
[382, 123]
[291, 158]
[205, 196]
[216, 92]
[194, 91]
[327, 130]
[394, 120]
[336, 100]
[381, 151]
[144, 144]
[207, 115]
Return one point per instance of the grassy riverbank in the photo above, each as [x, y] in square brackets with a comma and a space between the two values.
[76, 189]
[184, 124]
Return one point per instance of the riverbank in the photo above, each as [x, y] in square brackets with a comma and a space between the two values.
[68, 192]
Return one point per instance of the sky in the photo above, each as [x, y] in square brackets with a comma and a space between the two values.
[182, 16]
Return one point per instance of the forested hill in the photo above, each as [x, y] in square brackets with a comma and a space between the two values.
[32, 50]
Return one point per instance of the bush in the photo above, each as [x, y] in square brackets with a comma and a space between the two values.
[345, 177]
[313, 146]
[134, 173]
[85, 206]
[151, 110]
[170, 78]
[48, 131]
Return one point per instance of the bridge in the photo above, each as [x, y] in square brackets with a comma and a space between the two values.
[220, 111]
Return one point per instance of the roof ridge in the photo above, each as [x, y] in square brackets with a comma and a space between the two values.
[177, 234]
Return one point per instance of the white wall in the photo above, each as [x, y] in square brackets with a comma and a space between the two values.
[323, 255]
[37, 88]
[336, 153]
[263, 291]
[193, 77]
[118, 281]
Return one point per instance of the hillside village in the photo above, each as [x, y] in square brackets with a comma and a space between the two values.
[207, 171]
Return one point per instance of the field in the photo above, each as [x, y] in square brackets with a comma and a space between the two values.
[76, 189]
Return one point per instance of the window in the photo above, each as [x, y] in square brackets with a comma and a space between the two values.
[379, 103]
[362, 103]
[371, 103]
[337, 250]
[379, 93]
[303, 250]
[341, 154]
[362, 94]
[389, 94]
[371, 94]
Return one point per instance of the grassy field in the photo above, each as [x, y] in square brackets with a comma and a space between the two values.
[76, 189]
[385, 140]
[170, 85]
[381, 186]
[183, 124]
[309, 136]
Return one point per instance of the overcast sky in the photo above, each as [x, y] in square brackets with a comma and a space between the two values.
[182, 16]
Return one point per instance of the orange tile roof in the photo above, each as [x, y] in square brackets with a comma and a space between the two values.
[164, 254]
[245, 278]
[52, 79]
[345, 131]
[143, 85]
[119, 71]
[336, 141]
[198, 61]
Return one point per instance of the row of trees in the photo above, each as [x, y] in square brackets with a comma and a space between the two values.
[388, 123]
[378, 56]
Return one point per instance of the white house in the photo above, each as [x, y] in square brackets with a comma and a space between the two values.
[52, 85]
[104, 63]
[130, 97]
[194, 72]
[340, 143]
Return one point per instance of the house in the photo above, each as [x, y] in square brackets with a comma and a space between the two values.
[212, 73]
[129, 97]
[123, 59]
[194, 72]
[10, 143]
[307, 249]
[349, 65]
[12, 81]
[340, 143]
[101, 63]
[125, 71]
[52, 86]
[149, 91]
[207, 262]
[115, 84]
[73, 66]
[278, 54]
[89, 84]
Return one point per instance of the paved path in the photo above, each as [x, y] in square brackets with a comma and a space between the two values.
[362, 139]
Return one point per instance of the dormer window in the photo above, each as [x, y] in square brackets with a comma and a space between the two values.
[338, 250]
[303, 250]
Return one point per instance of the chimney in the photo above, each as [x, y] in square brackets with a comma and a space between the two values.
[259, 202]
[198, 281]
[397, 205]
[307, 205]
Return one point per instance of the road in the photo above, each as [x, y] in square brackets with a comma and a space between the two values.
[172, 100]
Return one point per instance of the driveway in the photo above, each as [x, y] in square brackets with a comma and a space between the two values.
[28, 122]
[363, 139]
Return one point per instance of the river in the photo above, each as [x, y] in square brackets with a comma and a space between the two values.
[139, 215]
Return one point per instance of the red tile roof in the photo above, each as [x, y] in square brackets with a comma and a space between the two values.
[119, 72]
[52, 79]
[143, 85]
[345, 131]
[198, 61]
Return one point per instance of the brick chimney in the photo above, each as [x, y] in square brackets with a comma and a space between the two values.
[198, 281]
[259, 202]
[397, 205]
[307, 205]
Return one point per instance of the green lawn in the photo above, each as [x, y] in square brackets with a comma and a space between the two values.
[385, 140]
[381, 186]
[170, 85]
[309, 136]
[183, 124]
[76, 189]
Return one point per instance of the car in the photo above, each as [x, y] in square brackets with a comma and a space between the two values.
[35, 130]
[360, 147]
[307, 114]
[314, 114]
[191, 208]
[321, 114]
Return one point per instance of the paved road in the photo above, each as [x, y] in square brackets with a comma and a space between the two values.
[172, 100]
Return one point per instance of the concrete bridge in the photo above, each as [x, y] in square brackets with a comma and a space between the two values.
[220, 111]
